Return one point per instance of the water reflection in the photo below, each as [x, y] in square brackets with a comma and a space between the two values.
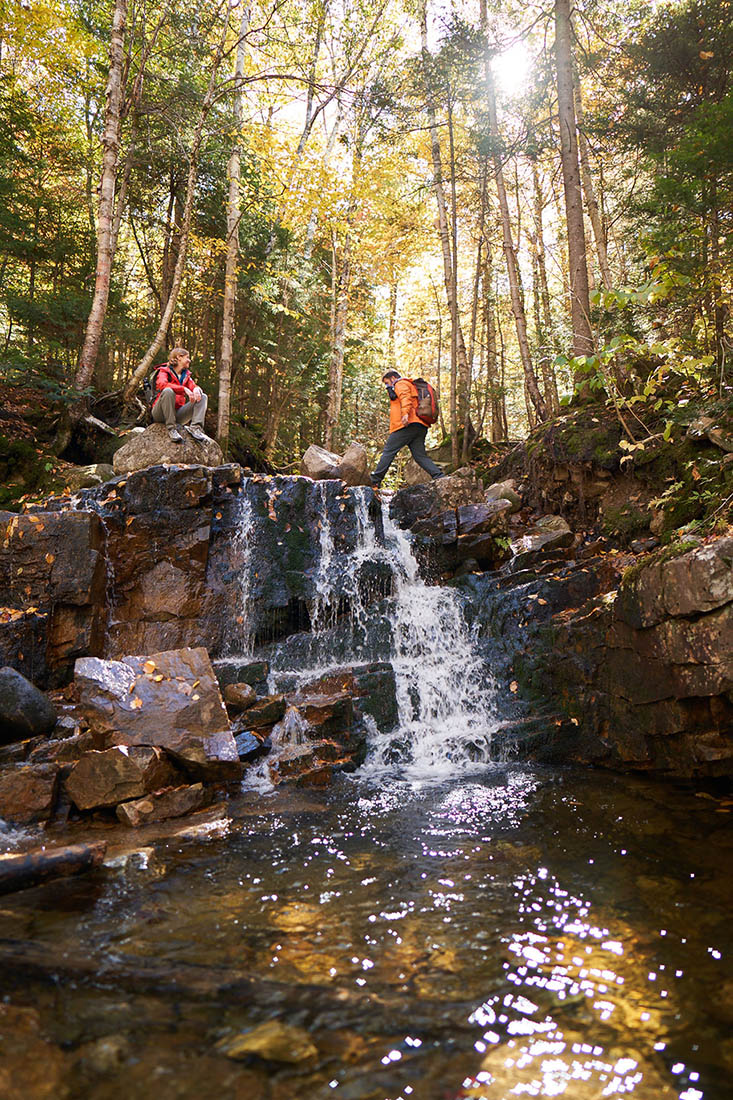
[526, 934]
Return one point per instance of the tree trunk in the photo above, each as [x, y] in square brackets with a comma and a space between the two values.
[579, 293]
[513, 273]
[147, 360]
[232, 260]
[591, 201]
[110, 153]
[546, 337]
[458, 347]
[340, 307]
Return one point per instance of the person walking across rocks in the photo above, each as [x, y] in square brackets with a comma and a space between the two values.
[179, 400]
[406, 429]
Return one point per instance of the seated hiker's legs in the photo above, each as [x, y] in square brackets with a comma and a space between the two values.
[395, 440]
[193, 412]
[164, 409]
[417, 450]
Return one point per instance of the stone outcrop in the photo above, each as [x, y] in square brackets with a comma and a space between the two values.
[24, 710]
[154, 447]
[169, 700]
[546, 534]
[53, 572]
[86, 477]
[352, 467]
[28, 792]
[643, 674]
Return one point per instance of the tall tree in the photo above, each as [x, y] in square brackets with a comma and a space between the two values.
[582, 343]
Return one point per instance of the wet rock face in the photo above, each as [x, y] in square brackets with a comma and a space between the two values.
[117, 774]
[548, 533]
[170, 700]
[52, 570]
[161, 805]
[643, 675]
[28, 792]
[154, 447]
[24, 710]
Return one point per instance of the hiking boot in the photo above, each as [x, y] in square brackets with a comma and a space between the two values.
[174, 435]
[198, 433]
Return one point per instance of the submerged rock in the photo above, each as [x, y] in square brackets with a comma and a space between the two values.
[154, 447]
[272, 1041]
[170, 700]
[24, 710]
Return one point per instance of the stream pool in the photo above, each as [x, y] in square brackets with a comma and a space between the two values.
[514, 933]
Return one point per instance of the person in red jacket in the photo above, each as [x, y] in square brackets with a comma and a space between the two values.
[406, 429]
[179, 400]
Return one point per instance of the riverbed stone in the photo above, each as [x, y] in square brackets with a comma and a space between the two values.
[24, 710]
[28, 792]
[371, 686]
[170, 700]
[161, 805]
[154, 447]
[239, 696]
[233, 670]
[327, 714]
[273, 1041]
[117, 774]
[265, 711]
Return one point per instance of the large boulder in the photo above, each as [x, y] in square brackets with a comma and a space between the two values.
[322, 465]
[154, 447]
[118, 774]
[28, 792]
[24, 710]
[170, 700]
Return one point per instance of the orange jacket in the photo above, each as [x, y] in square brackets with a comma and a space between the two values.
[404, 402]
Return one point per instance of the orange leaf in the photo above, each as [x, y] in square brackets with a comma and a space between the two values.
[136, 704]
[514, 687]
[50, 558]
[149, 667]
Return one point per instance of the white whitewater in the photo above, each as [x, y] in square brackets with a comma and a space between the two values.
[444, 689]
[241, 640]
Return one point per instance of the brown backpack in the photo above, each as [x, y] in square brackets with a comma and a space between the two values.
[427, 402]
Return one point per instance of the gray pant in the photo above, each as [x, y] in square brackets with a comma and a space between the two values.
[412, 436]
[165, 411]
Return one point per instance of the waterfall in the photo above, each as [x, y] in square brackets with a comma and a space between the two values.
[444, 690]
[241, 641]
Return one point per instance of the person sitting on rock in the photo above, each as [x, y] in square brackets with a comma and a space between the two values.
[179, 399]
[406, 429]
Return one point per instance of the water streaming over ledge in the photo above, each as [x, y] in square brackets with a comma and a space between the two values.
[444, 690]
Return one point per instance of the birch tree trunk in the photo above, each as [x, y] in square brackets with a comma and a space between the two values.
[105, 212]
[591, 201]
[147, 360]
[577, 257]
[232, 260]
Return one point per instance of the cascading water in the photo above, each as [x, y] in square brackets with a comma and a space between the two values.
[444, 690]
[241, 641]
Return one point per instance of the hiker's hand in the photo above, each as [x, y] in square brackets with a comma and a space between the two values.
[405, 418]
[197, 393]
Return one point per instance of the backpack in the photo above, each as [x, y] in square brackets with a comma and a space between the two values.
[149, 390]
[427, 402]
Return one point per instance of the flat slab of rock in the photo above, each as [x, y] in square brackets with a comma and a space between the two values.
[154, 447]
[164, 804]
[549, 533]
[28, 792]
[117, 774]
[24, 710]
[265, 711]
[170, 700]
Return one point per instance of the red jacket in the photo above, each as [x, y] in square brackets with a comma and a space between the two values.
[166, 378]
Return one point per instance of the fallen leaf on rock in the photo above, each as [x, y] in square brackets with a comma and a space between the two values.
[50, 558]
[149, 666]
[514, 687]
[136, 704]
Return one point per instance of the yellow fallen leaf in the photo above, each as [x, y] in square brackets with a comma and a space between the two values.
[136, 704]
[157, 678]
[543, 602]
[132, 688]
[514, 687]
[149, 667]
[195, 697]
[195, 684]
[50, 558]
[218, 515]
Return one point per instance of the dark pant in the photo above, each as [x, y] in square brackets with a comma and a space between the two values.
[412, 436]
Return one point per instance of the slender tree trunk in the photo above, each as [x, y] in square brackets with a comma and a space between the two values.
[147, 360]
[392, 354]
[591, 201]
[338, 342]
[458, 348]
[579, 293]
[110, 154]
[232, 260]
[515, 286]
[546, 338]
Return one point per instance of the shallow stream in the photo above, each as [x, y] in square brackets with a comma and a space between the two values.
[517, 932]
